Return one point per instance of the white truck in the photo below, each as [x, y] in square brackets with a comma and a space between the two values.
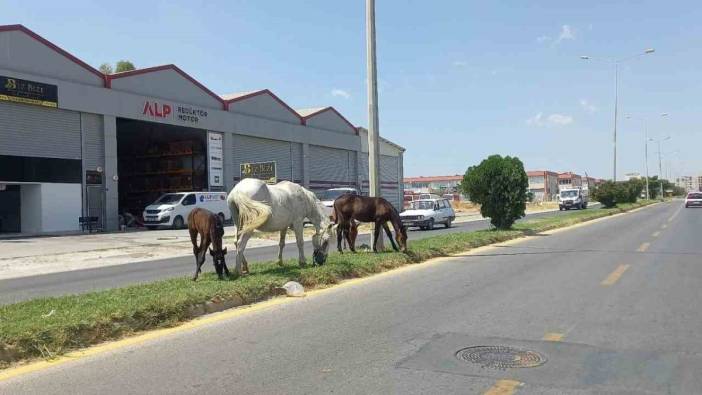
[569, 198]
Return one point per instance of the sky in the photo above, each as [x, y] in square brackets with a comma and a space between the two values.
[458, 80]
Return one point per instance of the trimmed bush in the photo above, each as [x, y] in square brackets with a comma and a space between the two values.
[500, 186]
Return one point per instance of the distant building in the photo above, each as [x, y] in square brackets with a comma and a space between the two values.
[589, 182]
[569, 180]
[633, 176]
[433, 184]
[543, 184]
[689, 183]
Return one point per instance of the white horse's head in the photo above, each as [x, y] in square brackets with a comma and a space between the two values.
[320, 242]
[323, 235]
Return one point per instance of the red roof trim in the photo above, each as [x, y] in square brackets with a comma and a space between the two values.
[271, 94]
[173, 67]
[433, 178]
[308, 116]
[541, 172]
[21, 28]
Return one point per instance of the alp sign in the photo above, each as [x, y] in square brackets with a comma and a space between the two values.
[158, 110]
[182, 113]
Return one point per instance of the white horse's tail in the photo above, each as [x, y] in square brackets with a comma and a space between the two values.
[248, 214]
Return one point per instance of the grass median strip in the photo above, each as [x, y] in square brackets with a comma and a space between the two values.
[47, 327]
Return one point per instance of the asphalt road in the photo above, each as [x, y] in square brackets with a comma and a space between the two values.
[80, 281]
[611, 307]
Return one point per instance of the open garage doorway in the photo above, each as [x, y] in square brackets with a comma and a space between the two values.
[10, 209]
[153, 159]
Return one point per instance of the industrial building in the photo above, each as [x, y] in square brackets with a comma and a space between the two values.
[75, 142]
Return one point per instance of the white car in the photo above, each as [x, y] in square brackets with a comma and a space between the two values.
[693, 199]
[171, 210]
[330, 195]
[426, 213]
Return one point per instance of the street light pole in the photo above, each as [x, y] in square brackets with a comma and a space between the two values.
[660, 171]
[660, 166]
[648, 193]
[616, 100]
[646, 140]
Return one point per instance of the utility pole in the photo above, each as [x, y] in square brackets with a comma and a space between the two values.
[648, 197]
[660, 171]
[373, 133]
[616, 101]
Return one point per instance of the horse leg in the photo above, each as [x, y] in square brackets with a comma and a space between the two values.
[299, 238]
[387, 232]
[240, 253]
[196, 249]
[281, 244]
[201, 255]
[339, 236]
[376, 233]
[351, 234]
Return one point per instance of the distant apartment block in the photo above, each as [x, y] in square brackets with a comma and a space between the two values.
[689, 183]
[433, 184]
[543, 184]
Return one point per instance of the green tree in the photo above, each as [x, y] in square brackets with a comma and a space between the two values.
[605, 193]
[124, 65]
[611, 193]
[499, 184]
[105, 68]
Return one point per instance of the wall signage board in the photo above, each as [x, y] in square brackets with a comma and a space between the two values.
[168, 111]
[28, 92]
[215, 159]
[265, 171]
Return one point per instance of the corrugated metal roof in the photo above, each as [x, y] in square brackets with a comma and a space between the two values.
[232, 96]
[305, 112]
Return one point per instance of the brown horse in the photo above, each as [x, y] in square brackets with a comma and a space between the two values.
[349, 208]
[211, 230]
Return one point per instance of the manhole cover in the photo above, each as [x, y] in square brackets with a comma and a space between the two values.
[501, 357]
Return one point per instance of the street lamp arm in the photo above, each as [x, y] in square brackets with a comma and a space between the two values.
[616, 61]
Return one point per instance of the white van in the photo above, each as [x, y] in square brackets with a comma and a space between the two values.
[171, 210]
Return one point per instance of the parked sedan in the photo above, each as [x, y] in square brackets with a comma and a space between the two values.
[693, 199]
[428, 212]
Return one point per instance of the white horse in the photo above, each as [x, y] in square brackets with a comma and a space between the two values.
[277, 208]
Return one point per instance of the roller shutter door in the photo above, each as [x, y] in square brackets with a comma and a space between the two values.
[39, 132]
[287, 155]
[363, 172]
[331, 167]
[93, 142]
[389, 179]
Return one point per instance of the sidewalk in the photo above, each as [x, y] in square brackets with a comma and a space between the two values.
[21, 257]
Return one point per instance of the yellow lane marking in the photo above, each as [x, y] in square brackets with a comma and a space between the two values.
[656, 234]
[614, 276]
[37, 366]
[553, 336]
[643, 247]
[503, 387]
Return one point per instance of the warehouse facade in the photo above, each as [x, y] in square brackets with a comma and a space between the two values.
[77, 143]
